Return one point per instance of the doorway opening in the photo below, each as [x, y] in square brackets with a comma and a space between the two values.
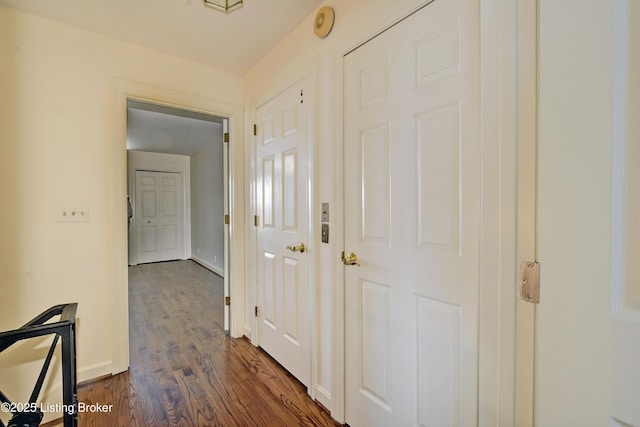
[177, 189]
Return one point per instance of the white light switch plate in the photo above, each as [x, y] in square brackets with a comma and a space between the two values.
[74, 214]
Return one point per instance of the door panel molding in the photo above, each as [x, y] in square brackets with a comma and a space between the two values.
[499, 88]
[290, 161]
[428, 158]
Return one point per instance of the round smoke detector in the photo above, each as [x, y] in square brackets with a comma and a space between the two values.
[323, 23]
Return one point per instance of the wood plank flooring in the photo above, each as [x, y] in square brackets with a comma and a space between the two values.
[185, 371]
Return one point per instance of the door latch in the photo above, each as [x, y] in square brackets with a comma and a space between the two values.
[297, 248]
[350, 259]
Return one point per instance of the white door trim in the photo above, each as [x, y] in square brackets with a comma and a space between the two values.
[226, 208]
[499, 89]
[251, 325]
[527, 143]
[123, 90]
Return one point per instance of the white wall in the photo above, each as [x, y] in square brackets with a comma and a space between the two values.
[207, 206]
[65, 77]
[159, 162]
[58, 127]
[575, 335]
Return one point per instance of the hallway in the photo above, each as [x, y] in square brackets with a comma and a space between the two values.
[185, 371]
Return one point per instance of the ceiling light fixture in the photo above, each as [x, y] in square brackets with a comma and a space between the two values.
[225, 6]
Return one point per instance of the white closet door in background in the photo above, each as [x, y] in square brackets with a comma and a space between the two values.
[158, 216]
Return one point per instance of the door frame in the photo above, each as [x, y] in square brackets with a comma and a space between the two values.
[121, 91]
[499, 90]
[251, 322]
[527, 206]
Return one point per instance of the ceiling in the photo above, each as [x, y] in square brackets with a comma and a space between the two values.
[161, 129]
[183, 28]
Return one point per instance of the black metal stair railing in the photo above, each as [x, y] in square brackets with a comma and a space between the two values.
[30, 414]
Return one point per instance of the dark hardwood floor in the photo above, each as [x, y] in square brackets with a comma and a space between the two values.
[185, 371]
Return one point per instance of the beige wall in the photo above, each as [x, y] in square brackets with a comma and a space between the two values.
[56, 87]
[56, 133]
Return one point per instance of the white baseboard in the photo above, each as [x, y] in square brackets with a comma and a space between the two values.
[53, 395]
[208, 266]
[248, 332]
[95, 371]
[323, 396]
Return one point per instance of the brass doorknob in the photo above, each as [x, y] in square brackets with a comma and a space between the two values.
[350, 259]
[297, 248]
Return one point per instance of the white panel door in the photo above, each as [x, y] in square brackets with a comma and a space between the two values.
[158, 216]
[282, 200]
[412, 187]
[589, 214]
